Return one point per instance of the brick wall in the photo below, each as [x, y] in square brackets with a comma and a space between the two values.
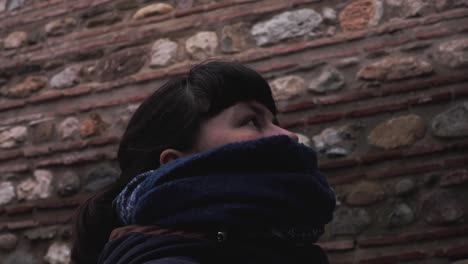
[378, 87]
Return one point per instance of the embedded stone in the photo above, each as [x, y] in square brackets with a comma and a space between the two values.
[154, 9]
[8, 241]
[302, 22]
[347, 62]
[183, 4]
[442, 208]
[405, 187]
[38, 188]
[15, 40]
[337, 141]
[329, 14]
[58, 253]
[202, 45]
[452, 122]
[69, 77]
[100, 177]
[34, 36]
[7, 192]
[44, 233]
[16, 4]
[121, 64]
[410, 8]
[398, 132]
[67, 183]
[454, 178]
[2, 5]
[361, 14]
[303, 139]
[126, 114]
[104, 20]
[13, 137]
[68, 128]
[453, 53]
[20, 257]
[60, 26]
[349, 221]
[401, 215]
[365, 193]
[395, 68]
[163, 52]
[234, 38]
[329, 80]
[287, 87]
[42, 130]
[93, 125]
[25, 88]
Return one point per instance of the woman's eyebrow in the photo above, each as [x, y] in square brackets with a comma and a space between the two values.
[262, 111]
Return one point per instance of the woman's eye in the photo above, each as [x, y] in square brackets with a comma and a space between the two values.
[252, 122]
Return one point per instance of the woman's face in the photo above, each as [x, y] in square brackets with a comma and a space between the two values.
[239, 122]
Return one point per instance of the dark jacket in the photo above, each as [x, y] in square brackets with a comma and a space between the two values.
[260, 201]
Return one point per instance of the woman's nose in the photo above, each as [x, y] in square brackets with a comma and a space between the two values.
[277, 130]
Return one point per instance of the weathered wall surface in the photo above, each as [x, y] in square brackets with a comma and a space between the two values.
[379, 87]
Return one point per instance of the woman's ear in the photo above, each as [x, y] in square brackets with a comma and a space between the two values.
[168, 155]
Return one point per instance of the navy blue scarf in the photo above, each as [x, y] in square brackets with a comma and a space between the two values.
[270, 182]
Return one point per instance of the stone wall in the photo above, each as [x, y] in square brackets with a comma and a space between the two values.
[378, 87]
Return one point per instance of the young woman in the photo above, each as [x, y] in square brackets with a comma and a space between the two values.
[208, 176]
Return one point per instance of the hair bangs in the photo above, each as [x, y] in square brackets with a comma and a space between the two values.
[223, 84]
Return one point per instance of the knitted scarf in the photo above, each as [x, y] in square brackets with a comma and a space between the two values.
[269, 183]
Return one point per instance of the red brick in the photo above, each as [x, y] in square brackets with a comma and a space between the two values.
[378, 109]
[421, 84]
[14, 168]
[450, 14]
[322, 118]
[455, 162]
[296, 107]
[463, 91]
[345, 97]
[384, 43]
[333, 164]
[19, 209]
[10, 154]
[61, 203]
[16, 225]
[344, 178]
[11, 104]
[381, 156]
[452, 252]
[56, 220]
[396, 172]
[293, 123]
[275, 65]
[433, 33]
[47, 96]
[190, 11]
[397, 258]
[82, 89]
[100, 141]
[115, 84]
[76, 158]
[425, 150]
[338, 245]
[422, 235]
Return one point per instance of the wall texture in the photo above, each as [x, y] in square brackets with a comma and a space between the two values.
[378, 87]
